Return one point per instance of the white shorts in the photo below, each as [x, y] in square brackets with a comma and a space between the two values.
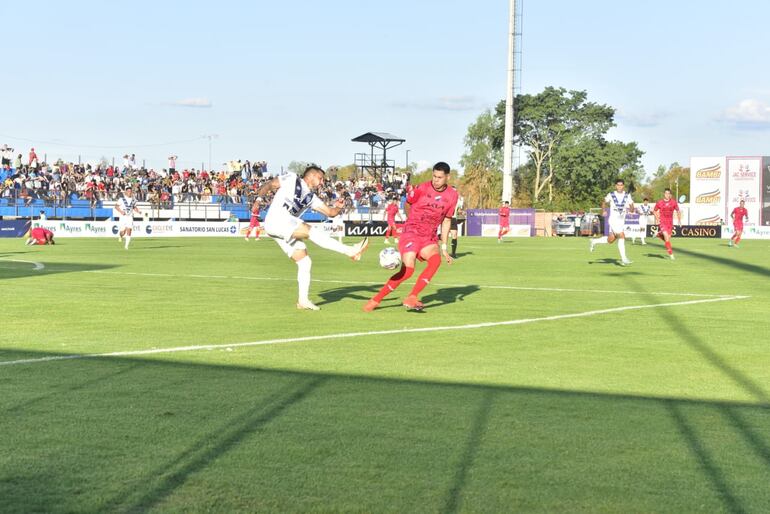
[280, 228]
[125, 222]
[617, 226]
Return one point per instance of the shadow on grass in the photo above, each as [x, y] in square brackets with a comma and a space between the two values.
[716, 259]
[200, 437]
[16, 269]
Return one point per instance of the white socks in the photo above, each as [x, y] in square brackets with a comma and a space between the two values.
[128, 240]
[600, 240]
[303, 278]
[324, 240]
[622, 248]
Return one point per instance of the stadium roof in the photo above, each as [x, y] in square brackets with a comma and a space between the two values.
[377, 137]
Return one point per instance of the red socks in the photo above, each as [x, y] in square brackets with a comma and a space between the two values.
[737, 239]
[403, 274]
[433, 264]
[668, 247]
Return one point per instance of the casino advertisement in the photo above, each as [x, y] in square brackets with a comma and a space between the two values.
[699, 231]
[707, 186]
[744, 175]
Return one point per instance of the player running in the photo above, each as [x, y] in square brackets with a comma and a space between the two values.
[40, 236]
[431, 205]
[126, 207]
[453, 225]
[504, 214]
[618, 202]
[254, 220]
[664, 217]
[738, 215]
[392, 211]
[293, 196]
[644, 211]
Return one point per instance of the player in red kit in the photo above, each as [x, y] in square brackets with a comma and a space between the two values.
[40, 236]
[504, 213]
[430, 205]
[738, 215]
[392, 211]
[664, 217]
[254, 220]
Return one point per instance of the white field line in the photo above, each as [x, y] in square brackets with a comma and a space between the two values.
[347, 335]
[38, 265]
[514, 288]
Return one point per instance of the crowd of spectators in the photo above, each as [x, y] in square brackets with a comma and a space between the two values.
[237, 182]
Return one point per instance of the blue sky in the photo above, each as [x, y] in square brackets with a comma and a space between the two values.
[296, 80]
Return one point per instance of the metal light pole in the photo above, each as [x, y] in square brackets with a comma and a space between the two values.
[509, 113]
[407, 159]
[210, 137]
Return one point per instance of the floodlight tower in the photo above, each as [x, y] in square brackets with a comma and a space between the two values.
[514, 72]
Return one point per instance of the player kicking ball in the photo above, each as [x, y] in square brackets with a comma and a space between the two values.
[619, 203]
[738, 215]
[40, 236]
[664, 217]
[429, 205]
[126, 207]
[293, 196]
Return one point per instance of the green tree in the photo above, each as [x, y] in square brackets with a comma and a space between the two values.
[675, 177]
[482, 184]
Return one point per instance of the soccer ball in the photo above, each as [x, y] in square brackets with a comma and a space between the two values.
[390, 258]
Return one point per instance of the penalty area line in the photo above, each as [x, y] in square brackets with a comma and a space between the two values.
[347, 335]
[359, 282]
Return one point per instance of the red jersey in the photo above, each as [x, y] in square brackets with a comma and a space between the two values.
[504, 213]
[40, 233]
[391, 210]
[666, 209]
[739, 213]
[429, 208]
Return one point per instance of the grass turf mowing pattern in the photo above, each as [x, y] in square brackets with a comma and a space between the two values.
[664, 409]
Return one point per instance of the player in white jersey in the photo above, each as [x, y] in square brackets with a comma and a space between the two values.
[126, 207]
[293, 196]
[618, 203]
[644, 211]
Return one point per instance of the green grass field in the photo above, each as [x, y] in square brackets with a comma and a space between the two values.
[609, 389]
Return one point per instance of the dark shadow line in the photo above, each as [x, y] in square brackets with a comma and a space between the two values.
[760, 447]
[480, 423]
[389, 380]
[732, 504]
[247, 424]
[730, 263]
[678, 328]
[22, 405]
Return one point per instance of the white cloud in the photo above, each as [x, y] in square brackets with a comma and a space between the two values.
[652, 119]
[444, 103]
[749, 113]
[193, 102]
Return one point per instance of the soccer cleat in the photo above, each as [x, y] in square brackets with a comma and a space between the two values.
[360, 249]
[730, 243]
[591, 247]
[370, 305]
[672, 257]
[308, 306]
[736, 245]
[412, 303]
[626, 262]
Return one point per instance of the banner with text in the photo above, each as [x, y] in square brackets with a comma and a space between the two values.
[478, 221]
[707, 190]
[744, 176]
[702, 231]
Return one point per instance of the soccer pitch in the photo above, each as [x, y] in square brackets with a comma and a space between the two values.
[539, 378]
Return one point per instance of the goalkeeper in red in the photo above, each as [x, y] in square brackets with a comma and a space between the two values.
[664, 216]
[428, 206]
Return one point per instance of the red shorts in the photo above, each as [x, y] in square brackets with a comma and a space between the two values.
[254, 222]
[40, 241]
[666, 228]
[414, 243]
[738, 227]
